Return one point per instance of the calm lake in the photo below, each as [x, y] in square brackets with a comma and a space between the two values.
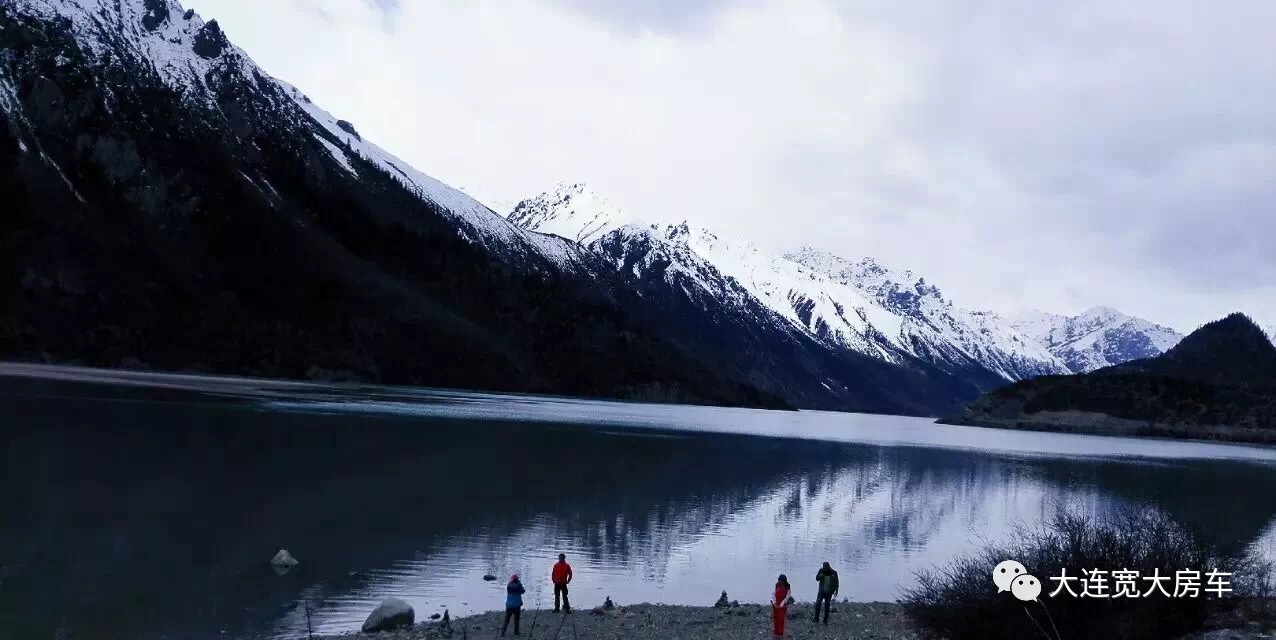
[143, 506]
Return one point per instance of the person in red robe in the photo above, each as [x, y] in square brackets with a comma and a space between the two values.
[780, 604]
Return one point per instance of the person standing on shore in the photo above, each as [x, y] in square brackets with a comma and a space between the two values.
[827, 579]
[561, 577]
[513, 603]
[780, 604]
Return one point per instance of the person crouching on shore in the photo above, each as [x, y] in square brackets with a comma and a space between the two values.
[780, 604]
[513, 603]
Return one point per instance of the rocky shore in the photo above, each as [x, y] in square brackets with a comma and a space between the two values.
[872, 620]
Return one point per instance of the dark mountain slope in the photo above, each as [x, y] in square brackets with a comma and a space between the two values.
[205, 227]
[1219, 382]
[1234, 350]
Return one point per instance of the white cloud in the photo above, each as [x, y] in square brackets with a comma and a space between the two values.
[1054, 155]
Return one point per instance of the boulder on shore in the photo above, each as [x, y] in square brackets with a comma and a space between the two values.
[283, 559]
[391, 614]
[722, 600]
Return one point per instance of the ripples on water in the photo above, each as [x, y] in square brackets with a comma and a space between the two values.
[135, 498]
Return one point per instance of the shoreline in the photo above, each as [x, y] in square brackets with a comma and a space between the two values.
[257, 386]
[663, 622]
[1105, 425]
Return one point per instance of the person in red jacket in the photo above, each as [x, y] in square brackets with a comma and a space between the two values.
[561, 576]
[780, 604]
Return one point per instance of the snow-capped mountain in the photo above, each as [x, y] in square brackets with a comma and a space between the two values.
[859, 306]
[702, 306]
[195, 59]
[572, 211]
[1097, 338]
[171, 204]
[931, 326]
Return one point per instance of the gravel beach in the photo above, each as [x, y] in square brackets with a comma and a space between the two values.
[873, 620]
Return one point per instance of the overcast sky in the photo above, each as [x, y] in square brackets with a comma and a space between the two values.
[1019, 154]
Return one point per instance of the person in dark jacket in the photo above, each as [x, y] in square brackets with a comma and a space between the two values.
[513, 603]
[827, 579]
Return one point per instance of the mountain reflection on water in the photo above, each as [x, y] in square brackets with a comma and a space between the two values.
[133, 515]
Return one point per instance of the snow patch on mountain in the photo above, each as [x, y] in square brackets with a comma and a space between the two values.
[338, 155]
[572, 211]
[1097, 338]
[160, 32]
[831, 311]
[474, 220]
[642, 250]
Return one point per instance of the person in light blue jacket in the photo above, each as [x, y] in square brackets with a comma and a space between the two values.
[513, 603]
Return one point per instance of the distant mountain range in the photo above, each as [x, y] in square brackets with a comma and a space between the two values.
[861, 305]
[1095, 339]
[171, 205]
[1219, 382]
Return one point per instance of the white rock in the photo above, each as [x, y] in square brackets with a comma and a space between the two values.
[283, 559]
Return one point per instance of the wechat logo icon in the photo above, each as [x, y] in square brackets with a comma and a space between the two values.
[1010, 575]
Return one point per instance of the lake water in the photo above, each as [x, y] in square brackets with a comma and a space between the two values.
[138, 506]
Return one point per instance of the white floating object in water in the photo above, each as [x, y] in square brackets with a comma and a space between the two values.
[283, 559]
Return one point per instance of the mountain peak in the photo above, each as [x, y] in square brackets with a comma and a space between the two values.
[175, 42]
[1232, 350]
[571, 210]
[1097, 338]
[1235, 327]
[1102, 313]
[571, 187]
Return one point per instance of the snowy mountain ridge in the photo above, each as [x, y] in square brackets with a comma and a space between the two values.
[193, 57]
[933, 327]
[135, 140]
[861, 306]
[572, 211]
[1097, 338]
